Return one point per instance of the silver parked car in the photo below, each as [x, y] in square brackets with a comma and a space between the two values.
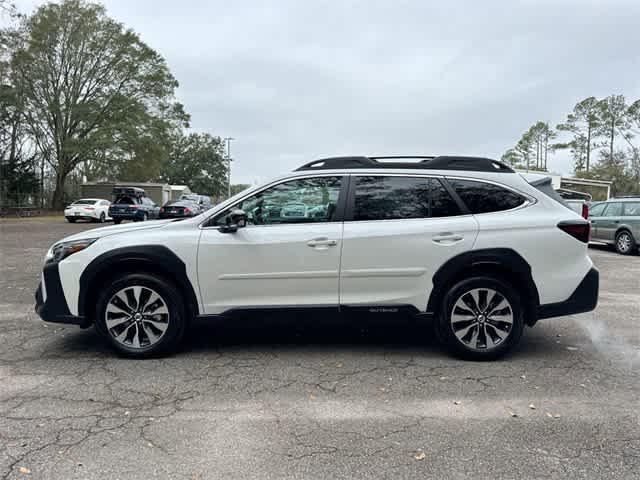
[617, 222]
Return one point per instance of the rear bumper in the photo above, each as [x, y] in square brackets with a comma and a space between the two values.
[139, 215]
[53, 307]
[583, 299]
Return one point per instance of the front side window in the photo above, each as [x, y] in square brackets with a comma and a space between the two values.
[596, 210]
[394, 197]
[304, 200]
[613, 210]
[483, 197]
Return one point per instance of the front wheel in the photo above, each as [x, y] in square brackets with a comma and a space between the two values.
[625, 243]
[141, 315]
[480, 318]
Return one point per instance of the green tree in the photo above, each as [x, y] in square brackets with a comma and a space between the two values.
[238, 187]
[615, 168]
[532, 150]
[584, 126]
[613, 114]
[197, 160]
[90, 89]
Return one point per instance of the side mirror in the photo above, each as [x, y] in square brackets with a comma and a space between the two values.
[235, 220]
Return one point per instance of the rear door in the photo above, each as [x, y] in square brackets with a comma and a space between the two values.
[610, 221]
[398, 230]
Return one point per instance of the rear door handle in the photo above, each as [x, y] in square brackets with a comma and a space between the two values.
[448, 238]
[322, 242]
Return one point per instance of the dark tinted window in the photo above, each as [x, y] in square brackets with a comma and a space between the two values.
[613, 210]
[482, 197]
[442, 204]
[632, 209]
[387, 198]
[127, 200]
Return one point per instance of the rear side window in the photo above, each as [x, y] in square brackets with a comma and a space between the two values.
[613, 210]
[482, 197]
[632, 209]
[389, 198]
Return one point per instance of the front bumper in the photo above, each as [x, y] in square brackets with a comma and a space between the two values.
[52, 306]
[583, 299]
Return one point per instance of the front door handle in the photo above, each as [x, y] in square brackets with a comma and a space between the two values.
[322, 242]
[448, 238]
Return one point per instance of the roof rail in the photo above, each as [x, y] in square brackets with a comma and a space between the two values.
[477, 164]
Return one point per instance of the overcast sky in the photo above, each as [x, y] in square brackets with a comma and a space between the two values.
[293, 81]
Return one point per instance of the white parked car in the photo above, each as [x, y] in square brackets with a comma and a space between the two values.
[92, 209]
[465, 243]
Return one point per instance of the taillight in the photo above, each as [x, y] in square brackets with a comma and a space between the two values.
[162, 209]
[578, 230]
[89, 208]
[585, 210]
[186, 210]
[134, 206]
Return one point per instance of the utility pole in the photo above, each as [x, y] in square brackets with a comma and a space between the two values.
[228, 141]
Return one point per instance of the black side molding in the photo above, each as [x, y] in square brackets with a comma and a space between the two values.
[503, 261]
[55, 308]
[156, 258]
[583, 299]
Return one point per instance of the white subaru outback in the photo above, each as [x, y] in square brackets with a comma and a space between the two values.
[465, 242]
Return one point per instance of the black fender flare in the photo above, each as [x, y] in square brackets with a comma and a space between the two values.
[504, 261]
[154, 258]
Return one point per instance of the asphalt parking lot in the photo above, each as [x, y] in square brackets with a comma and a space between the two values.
[316, 397]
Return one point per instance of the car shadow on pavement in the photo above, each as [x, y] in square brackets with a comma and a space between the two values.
[314, 332]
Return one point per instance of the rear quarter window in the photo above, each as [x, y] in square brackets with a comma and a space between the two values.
[632, 209]
[483, 197]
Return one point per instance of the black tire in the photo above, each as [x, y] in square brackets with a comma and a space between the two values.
[102, 218]
[116, 221]
[176, 319]
[625, 243]
[71, 220]
[458, 347]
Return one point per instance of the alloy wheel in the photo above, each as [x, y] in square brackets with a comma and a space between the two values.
[137, 317]
[624, 242]
[481, 319]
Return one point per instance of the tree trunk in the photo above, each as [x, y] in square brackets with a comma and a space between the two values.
[612, 137]
[57, 203]
[588, 146]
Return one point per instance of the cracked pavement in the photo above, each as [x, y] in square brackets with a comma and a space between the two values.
[316, 397]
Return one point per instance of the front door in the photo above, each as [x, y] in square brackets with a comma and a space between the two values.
[398, 231]
[287, 255]
[610, 221]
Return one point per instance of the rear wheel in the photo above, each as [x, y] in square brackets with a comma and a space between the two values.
[71, 220]
[102, 218]
[141, 315]
[117, 221]
[625, 243]
[480, 318]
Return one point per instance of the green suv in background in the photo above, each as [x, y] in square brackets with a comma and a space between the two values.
[617, 222]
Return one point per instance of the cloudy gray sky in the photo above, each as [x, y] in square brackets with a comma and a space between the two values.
[297, 80]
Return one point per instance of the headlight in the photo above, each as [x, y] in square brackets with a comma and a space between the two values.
[62, 250]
